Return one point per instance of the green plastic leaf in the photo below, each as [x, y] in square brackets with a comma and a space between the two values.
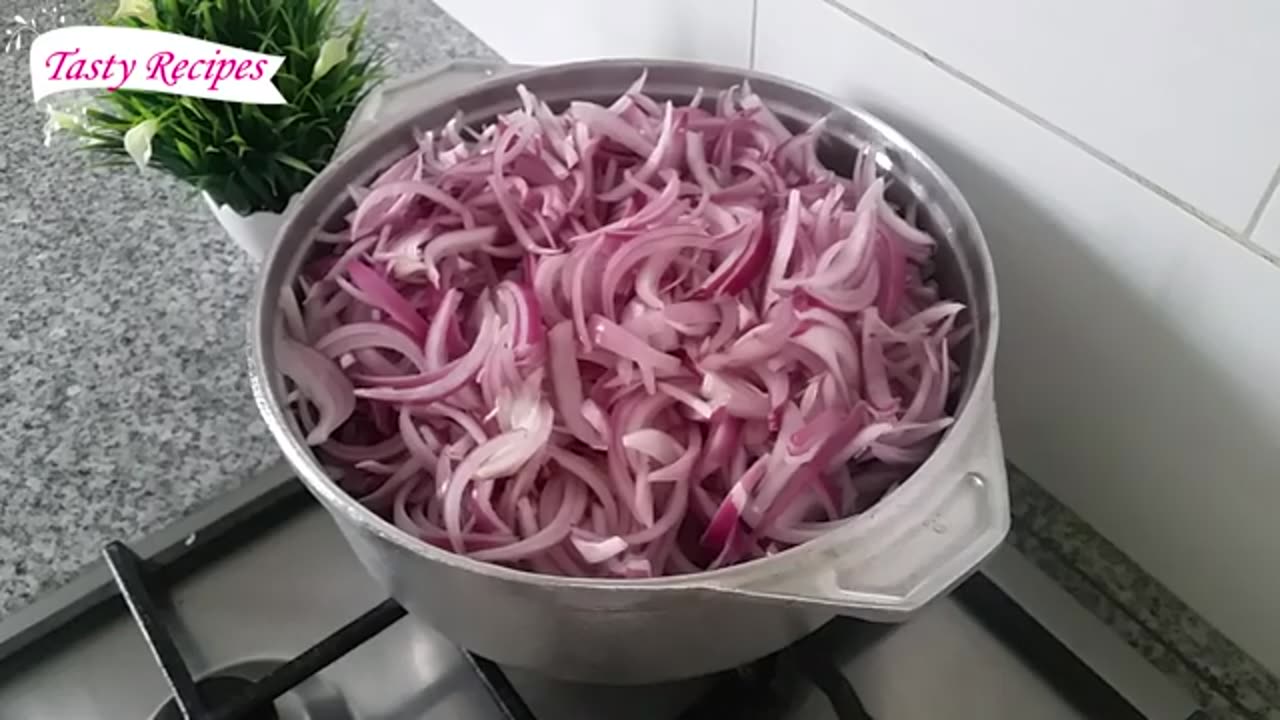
[140, 9]
[187, 153]
[58, 120]
[332, 53]
[137, 141]
[294, 163]
[213, 145]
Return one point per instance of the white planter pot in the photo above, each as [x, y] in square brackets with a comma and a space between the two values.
[253, 233]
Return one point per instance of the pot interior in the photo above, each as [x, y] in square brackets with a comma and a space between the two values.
[961, 264]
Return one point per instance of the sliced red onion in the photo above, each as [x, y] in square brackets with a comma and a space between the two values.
[446, 381]
[386, 298]
[613, 338]
[361, 335]
[760, 343]
[598, 551]
[608, 124]
[622, 340]
[654, 444]
[321, 382]
[367, 219]
[436, 351]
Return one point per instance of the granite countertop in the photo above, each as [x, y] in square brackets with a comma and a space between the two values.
[126, 403]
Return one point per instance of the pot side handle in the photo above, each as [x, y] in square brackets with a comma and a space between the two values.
[923, 543]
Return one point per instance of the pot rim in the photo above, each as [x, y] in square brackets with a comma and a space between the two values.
[269, 397]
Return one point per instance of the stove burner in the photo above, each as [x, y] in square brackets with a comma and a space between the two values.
[215, 692]
[254, 700]
[800, 680]
[774, 685]
[764, 689]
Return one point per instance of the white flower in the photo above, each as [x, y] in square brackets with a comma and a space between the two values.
[332, 52]
[137, 141]
[58, 120]
[141, 9]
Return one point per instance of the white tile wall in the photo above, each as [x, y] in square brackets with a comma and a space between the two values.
[1174, 89]
[1138, 368]
[548, 31]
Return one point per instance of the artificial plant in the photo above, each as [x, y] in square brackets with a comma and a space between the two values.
[249, 157]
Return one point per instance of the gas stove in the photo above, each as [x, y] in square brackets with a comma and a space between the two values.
[255, 609]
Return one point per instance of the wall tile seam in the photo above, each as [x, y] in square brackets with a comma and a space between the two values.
[1242, 237]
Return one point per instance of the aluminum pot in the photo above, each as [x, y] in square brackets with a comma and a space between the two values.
[915, 544]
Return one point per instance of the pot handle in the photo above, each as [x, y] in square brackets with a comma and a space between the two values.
[914, 545]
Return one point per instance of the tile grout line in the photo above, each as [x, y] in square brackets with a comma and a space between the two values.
[1044, 123]
[1267, 196]
[751, 46]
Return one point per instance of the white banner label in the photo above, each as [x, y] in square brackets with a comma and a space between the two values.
[74, 58]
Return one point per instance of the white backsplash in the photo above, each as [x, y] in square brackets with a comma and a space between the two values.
[547, 31]
[1168, 89]
[1119, 158]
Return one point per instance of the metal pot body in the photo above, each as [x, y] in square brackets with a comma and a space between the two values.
[920, 540]
[580, 633]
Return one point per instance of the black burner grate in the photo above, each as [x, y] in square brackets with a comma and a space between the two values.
[768, 688]
[255, 700]
[760, 690]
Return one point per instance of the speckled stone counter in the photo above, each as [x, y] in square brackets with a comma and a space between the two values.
[123, 388]
[1222, 678]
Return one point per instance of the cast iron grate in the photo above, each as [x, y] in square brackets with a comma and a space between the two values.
[255, 701]
[759, 690]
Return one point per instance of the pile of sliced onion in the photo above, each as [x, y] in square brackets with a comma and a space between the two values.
[631, 340]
